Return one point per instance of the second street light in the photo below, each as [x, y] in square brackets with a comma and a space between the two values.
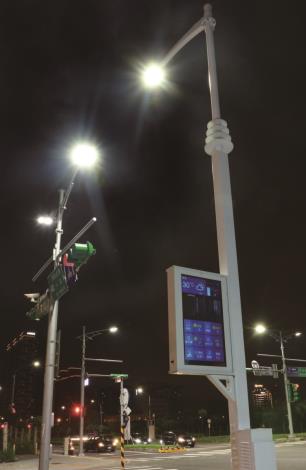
[53, 314]
[85, 336]
[278, 336]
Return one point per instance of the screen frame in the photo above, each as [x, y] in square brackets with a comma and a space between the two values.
[176, 330]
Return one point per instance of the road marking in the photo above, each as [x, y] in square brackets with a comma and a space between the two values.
[289, 444]
[182, 456]
[140, 468]
[140, 452]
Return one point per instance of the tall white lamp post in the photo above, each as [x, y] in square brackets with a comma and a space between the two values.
[82, 155]
[247, 445]
[279, 337]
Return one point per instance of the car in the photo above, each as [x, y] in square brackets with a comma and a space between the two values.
[93, 443]
[100, 443]
[186, 440]
[168, 439]
[138, 438]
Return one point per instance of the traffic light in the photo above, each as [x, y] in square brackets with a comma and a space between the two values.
[80, 253]
[296, 394]
[76, 410]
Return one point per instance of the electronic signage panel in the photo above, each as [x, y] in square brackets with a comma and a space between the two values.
[202, 321]
[199, 327]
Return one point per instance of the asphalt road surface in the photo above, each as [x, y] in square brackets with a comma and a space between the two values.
[290, 456]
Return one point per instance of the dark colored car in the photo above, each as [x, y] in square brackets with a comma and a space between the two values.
[101, 443]
[185, 440]
[168, 439]
[138, 438]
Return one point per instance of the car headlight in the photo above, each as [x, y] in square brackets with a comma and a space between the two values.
[137, 440]
[101, 444]
[193, 439]
[181, 439]
[115, 442]
[149, 440]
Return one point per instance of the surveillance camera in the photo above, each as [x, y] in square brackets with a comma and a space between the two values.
[32, 297]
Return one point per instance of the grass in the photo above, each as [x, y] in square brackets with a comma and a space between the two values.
[7, 455]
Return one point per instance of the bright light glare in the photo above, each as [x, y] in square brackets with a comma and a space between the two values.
[153, 76]
[36, 363]
[298, 333]
[84, 155]
[113, 329]
[139, 390]
[260, 328]
[45, 220]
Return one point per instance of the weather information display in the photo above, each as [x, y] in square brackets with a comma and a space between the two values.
[203, 325]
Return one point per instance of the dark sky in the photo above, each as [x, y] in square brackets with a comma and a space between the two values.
[69, 71]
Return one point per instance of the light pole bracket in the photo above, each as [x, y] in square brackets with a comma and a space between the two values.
[227, 389]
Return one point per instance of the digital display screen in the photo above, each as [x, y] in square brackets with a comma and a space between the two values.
[203, 324]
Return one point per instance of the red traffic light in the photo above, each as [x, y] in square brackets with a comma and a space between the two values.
[76, 410]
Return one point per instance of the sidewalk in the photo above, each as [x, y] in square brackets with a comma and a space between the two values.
[64, 462]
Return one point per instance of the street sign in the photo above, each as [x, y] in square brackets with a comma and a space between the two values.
[296, 371]
[124, 397]
[275, 371]
[57, 283]
[263, 371]
[119, 376]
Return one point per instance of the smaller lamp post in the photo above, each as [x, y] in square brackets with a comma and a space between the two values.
[278, 336]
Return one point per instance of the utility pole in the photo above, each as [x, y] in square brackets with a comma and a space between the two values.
[13, 389]
[286, 384]
[82, 155]
[81, 452]
[89, 335]
[101, 409]
[51, 349]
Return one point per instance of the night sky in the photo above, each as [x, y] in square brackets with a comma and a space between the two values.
[70, 71]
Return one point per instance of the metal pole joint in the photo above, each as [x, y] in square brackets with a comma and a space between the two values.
[208, 19]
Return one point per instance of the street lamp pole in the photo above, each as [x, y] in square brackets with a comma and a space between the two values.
[149, 417]
[218, 146]
[286, 384]
[83, 155]
[89, 335]
[51, 350]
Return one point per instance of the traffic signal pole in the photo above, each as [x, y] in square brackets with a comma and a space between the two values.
[81, 450]
[122, 457]
[44, 453]
[286, 384]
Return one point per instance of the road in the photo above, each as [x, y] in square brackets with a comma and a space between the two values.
[209, 457]
[290, 456]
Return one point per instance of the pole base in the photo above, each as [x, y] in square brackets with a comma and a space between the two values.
[255, 450]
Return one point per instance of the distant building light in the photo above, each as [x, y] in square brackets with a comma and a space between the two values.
[31, 333]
